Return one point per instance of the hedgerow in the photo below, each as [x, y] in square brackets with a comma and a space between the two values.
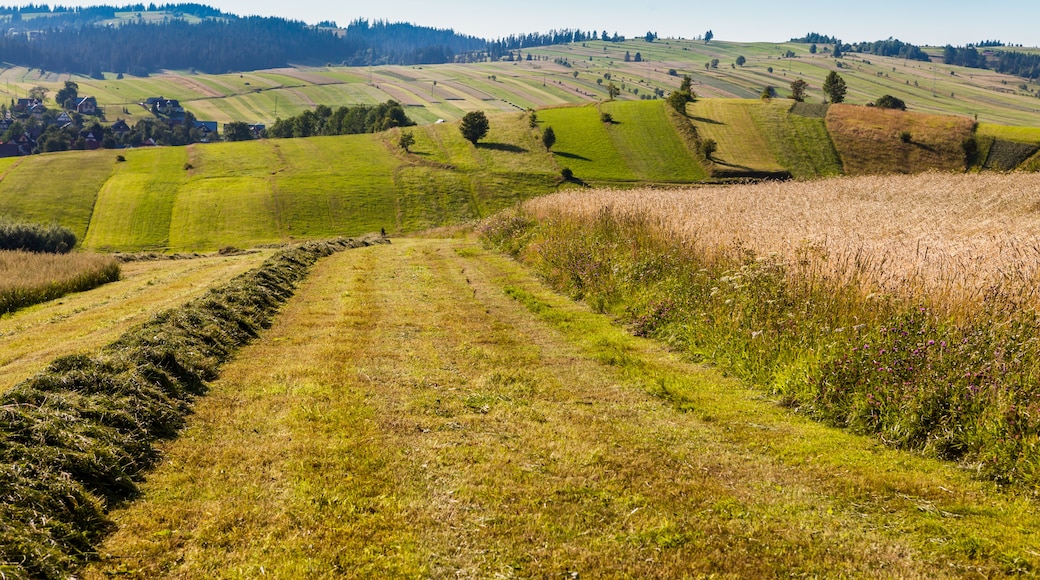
[30, 237]
[77, 438]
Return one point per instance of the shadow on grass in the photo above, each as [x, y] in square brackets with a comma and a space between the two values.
[571, 156]
[706, 120]
[502, 147]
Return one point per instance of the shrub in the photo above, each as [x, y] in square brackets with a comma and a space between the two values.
[30, 237]
[606, 118]
[567, 174]
[708, 148]
[889, 102]
[906, 137]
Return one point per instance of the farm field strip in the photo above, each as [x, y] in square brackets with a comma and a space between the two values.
[428, 409]
[86, 321]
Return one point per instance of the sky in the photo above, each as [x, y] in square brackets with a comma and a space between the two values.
[921, 22]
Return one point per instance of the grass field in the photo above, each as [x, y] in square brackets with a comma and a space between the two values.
[31, 338]
[427, 409]
[584, 144]
[263, 96]
[642, 134]
[742, 147]
[875, 303]
[800, 143]
[869, 140]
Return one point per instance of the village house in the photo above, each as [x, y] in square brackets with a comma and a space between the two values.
[120, 128]
[87, 106]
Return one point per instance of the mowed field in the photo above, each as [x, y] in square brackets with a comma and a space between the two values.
[210, 196]
[557, 75]
[429, 409]
[81, 323]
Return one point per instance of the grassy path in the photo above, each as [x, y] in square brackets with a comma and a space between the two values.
[31, 338]
[428, 410]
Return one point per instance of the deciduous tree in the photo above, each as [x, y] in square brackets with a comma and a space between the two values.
[798, 88]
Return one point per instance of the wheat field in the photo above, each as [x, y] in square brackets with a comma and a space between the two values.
[953, 237]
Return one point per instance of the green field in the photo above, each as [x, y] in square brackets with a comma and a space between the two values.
[742, 147]
[801, 144]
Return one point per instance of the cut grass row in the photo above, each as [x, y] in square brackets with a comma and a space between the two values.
[79, 435]
[83, 322]
[428, 409]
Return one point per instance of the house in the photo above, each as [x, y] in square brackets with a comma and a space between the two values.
[206, 127]
[257, 130]
[63, 119]
[5, 124]
[87, 106]
[91, 142]
[23, 105]
[120, 127]
[9, 150]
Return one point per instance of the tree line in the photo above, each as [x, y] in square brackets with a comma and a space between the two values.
[323, 120]
[1007, 62]
[75, 41]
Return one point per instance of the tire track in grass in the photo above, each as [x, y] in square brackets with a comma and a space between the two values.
[428, 409]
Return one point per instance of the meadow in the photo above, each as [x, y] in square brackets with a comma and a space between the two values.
[904, 308]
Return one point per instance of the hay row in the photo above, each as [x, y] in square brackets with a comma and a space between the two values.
[77, 438]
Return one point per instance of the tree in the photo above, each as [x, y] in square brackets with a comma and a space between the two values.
[767, 93]
[741, 60]
[798, 88]
[708, 36]
[837, 50]
[237, 131]
[67, 96]
[406, 140]
[650, 36]
[38, 93]
[812, 48]
[474, 126]
[613, 90]
[638, 57]
[678, 99]
[834, 87]
[714, 63]
[548, 138]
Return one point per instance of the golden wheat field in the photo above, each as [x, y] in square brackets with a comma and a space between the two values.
[29, 270]
[955, 237]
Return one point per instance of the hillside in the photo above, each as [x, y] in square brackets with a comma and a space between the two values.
[564, 74]
[208, 196]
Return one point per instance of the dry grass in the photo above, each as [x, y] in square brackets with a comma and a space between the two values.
[29, 270]
[28, 278]
[868, 140]
[953, 236]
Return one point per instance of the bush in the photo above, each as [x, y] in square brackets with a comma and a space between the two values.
[906, 137]
[708, 148]
[567, 174]
[29, 237]
[606, 118]
[889, 102]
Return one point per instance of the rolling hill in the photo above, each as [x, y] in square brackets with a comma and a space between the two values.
[208, 196]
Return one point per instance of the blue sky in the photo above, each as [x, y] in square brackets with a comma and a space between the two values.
[916, 21]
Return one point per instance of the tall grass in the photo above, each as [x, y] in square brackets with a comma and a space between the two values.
[28, 278]
[903, 307]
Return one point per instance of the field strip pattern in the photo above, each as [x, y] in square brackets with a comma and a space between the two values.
[84, 322]
[428, 409]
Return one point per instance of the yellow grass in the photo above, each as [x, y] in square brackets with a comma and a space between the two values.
[31, 270]
[956, 236]
[868, 140]
[84, 322]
